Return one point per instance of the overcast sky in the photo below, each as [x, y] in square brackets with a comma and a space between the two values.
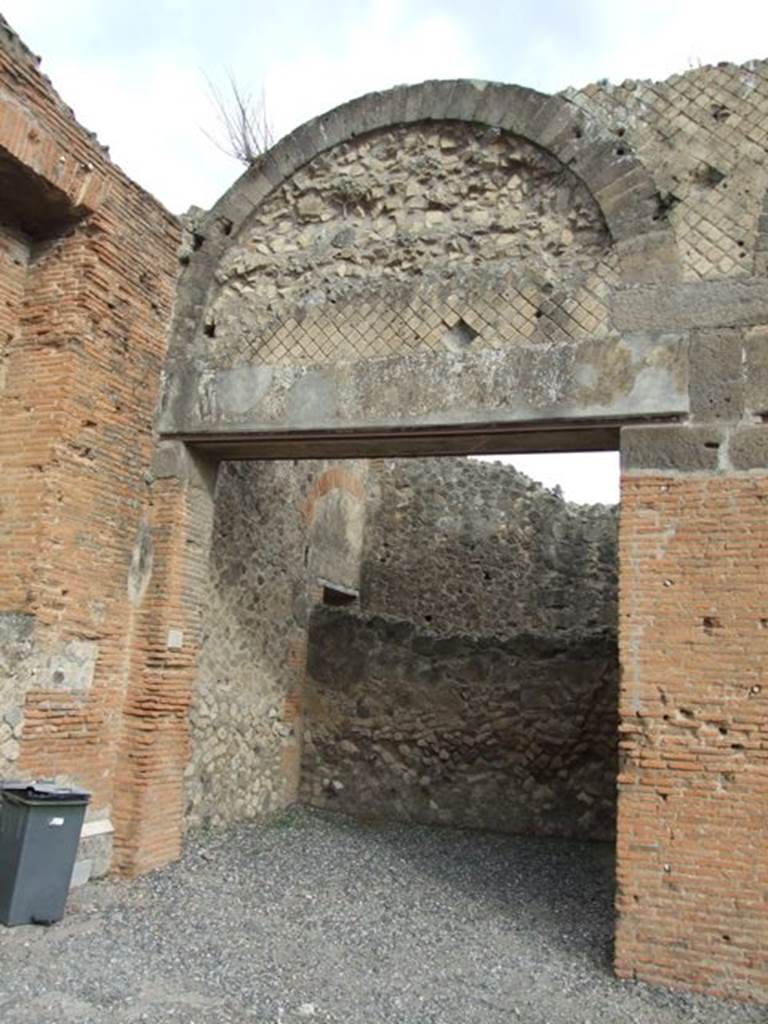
[135, 72]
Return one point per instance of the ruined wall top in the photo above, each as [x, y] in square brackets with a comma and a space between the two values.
[459, 546]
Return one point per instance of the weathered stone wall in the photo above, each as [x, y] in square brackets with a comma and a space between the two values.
[702, 134]
[380, 246]
[515, 734]
[255, 614]
[280, 528]
[477, 682]
[470, 547]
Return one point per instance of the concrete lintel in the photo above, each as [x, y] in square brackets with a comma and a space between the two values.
[480, 439]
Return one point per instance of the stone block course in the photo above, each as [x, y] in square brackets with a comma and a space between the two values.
[748, 448]
[717, 374]
[681, 448]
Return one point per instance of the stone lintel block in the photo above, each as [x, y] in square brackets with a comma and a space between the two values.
[716, 374]
[748, 447]
[649, 258]
[756, 360]
[688, 304]
[174, 460]
[638, 376]
[671, 447]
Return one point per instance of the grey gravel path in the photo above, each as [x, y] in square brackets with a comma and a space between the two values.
[316, 918]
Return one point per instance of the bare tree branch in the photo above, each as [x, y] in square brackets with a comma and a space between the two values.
[244, 129]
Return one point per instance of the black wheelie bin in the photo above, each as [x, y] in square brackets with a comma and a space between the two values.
[39, 831]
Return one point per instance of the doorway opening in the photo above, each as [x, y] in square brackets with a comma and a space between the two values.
[428, 639]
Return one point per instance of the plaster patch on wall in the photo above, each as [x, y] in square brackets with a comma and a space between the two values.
[69, 668]
[336, 538]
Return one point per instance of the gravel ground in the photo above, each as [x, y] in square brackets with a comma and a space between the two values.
[319, 918]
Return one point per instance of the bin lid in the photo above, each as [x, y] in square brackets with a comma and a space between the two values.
[43, 793]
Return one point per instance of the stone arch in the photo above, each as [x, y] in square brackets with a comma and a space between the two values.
[525, 333]
[620, 185]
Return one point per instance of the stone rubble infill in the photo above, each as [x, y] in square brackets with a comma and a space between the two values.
[318, 918]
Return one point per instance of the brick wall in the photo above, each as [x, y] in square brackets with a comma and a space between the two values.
[83, 316]
[693, 828]
[14, 253]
